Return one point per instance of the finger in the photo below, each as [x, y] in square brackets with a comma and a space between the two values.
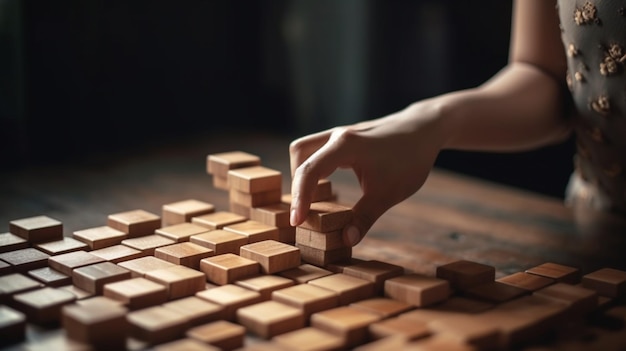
[365, 213]
[302, 148]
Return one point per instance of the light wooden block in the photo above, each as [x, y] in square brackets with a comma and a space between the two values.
[157, 324]
[101, 301]
[12, 242]
[181, 232]
[607, 282]
[219, 164]
[464, 274]
[339, 265]
[50, 277]
[382, 306]
[136, 293]
[495, 292]
[273, 256]
[242, 210]
[324, 258]
[186, 344]
[418, 290]
[581, 301]
[309, 339]
[349, 323]
[231, 298]
[147, 244]
[262, 198]
[186, 254]
[220, 241]
[326, 216]
[270, 318]
[465, 330]
[396, 327]
[93, 277]
[529, 282]
[183, 211]
[25, 260]
[62, 246]
[221, 334]
[276, 215]
[66, 263]
[374, 271]
[43, 306]
[16, 283]
[140, 266]
[255, 231]
[102, 324]
[196, 310]
[228, 268]
[558, 272]
[218, 219]
[265, 284]
[304, 273]
[318, 240]
[254, 179]
[100, 237]
[307, 298]
[349, 289]
[79, 293]
[12, 325]
[135, 223]
[220, 183]
[37, 229]
[180, 281]
[117, 253]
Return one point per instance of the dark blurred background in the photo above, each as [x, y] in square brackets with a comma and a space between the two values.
[86, 77]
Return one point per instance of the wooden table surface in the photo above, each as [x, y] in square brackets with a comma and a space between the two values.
[451, 217]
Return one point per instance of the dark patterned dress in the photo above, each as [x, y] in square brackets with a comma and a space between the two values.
[594, 38]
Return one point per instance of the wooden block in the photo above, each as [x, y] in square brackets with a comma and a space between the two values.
[254, 179]
[43, 306]
[412, 330]
[196, 310]
[147, 244]
[37, 229]
[79, 293]
[287, 235]
[92, 278]
[228, 268]
[14, 284]
[239, 209]
[186, 254]
[218, 220]
[318, 240]
[5, 268]
[607, 282]
[309, 339]
[98, 323]
[374, 271]
[231, 298]
[220, 241]
[265, 284]
[340, 265]
[453, 307]
[323, 191]
[349, 289]
[388, 343]
[270, 318]
[12, 242]
[221, 334]
[117, 253]
[183, 211]
[100, 237]
[307, 298]
[324, 258]
[12, 325]
[180, 281]
[581, 301]
[25, 260]
[262, 198]
[495, 292]
[181, 232]
[101, 301]
[136, 293]
[273, 256]
[464, 274]
[62, 246]
[558, 272]
[219, 164]
[220, 183]
[140, 266]
[186, 344]
[325, 216]
[465, 330]
[418, 290]
[304, 273]
[382, 306]
[349, 323]
[50, 277]
[157, 324]
[255, 231]
[529, 282]
[134, 223]
[276, 215]
[66, 263]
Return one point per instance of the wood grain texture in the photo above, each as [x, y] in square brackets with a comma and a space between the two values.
[182, 211]
[100, 237]
[273, 256]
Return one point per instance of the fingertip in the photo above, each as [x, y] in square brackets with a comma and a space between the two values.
[293, 217]
[351, 235]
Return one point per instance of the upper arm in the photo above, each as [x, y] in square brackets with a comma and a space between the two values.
[536, 37]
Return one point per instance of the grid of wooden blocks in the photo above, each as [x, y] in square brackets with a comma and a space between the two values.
[199, 278]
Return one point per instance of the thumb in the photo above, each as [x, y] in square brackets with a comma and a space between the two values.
[365, 213]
